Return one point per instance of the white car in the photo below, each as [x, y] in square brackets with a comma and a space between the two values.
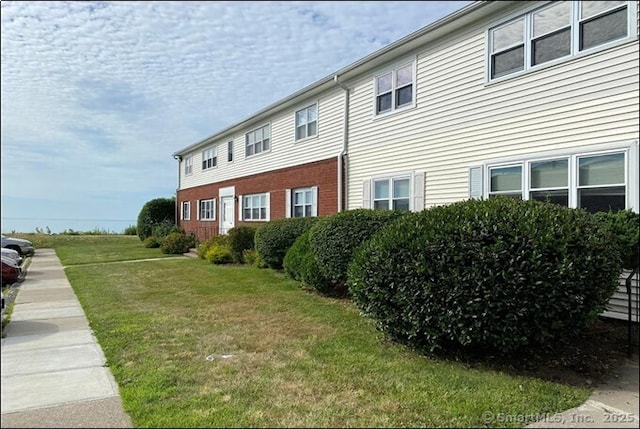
[13, 254]
[24, 247]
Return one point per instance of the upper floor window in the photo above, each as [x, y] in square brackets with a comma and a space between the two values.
[559, 30]
[255, 207]
[186, 210]
[230, 151]
[307, 122]
[207, 209]
[188, 165]
[257, 141]
[209, 157]
[395, 89]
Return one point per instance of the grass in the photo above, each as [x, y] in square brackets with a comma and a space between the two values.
[198, 345]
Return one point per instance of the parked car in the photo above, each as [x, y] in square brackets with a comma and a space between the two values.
[13, 254]
[11, 272]
[24, 247]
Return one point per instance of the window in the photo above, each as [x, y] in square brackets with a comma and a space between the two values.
[230, 151]
[306, 122]
[595, 181]
[559, 30]
[208, 209]
[257, 141]
[302, 202]
[601, 183]
[255, 207]
[188, 165]
[395, 89]
[392, 193]
[186, 210]
[506, 181]
[209, 157]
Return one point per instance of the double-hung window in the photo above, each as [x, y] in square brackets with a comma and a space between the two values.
[186, 210]
[230, 151]
[301, 202]
[257, 141]
[506, 180]
[601, 182]
[188, 166]
[255, 207]
[393, 193]
[209, 157]
[549, 181]
[395, 89]
[207, 209]
[561, 29]
[307, 122]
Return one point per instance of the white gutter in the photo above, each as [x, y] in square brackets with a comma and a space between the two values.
[345, 146]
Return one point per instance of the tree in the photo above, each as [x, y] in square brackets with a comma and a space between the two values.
[155, 212]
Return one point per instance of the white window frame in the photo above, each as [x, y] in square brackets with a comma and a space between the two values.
[188, 165]
[230, 151]
[630, 174]
[185, 213]
[575, 28]
[254, 144]
[394, 88]
[391, 198]
[416, 189]
[307, 136]
[210, 158]
[207, 209]
[250, 199]
[290, 196]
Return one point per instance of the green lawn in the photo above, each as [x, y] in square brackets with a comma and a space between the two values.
[197, 345]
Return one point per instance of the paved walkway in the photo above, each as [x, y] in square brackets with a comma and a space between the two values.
[53, 369]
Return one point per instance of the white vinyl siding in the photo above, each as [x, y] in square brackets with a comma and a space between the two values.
[185, 214]
[255, 207]
[557, 31]
[284, 151]
[459, 121]
[207, 209]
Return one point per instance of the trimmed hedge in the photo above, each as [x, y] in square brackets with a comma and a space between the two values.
[177, 243]
[219, 254]
[625, 225]
[273, 239]
[300, 264]
[334, 240]
[241, 238]
[476, 276]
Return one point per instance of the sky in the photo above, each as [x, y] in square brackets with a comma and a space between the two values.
[97, 96]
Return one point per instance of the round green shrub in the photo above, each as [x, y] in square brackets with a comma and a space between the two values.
[202, 249]
[151, 243]
[219, 254]
[334, 240]
[300, 264]
[625, 226]
[176, 243]
[153, 213]
[241, 239]
[163, 228]
[252, 257]
[273, 239]
[476, 276]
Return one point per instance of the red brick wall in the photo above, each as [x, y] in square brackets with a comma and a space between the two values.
[323, 174]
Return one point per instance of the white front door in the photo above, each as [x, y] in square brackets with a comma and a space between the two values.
[226, 214]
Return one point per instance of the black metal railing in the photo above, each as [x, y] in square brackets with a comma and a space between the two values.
[631, 326]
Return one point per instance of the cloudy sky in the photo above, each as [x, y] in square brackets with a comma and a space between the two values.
[97, 96]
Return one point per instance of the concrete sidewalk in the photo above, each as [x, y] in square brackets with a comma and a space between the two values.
[53, 369]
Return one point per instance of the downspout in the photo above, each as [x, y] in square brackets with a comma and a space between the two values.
[177, 213]
[342, 157]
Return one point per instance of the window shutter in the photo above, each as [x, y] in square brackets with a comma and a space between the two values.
[476, 182]
[240, 207]
[418, 191]
[287, 203]
[314, 200]
[366, 194]
[198, 211]
[268, 205]
[182, 211]
[213, 208]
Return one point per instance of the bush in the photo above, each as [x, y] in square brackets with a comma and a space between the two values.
[252, 257]
[153, 213]
[273, 239]
[131, 230]
[240, 239]
[151, 243]
[625, 226]
[477, 276]
[334, 240]
[177, 243]
[300, 264]
[164, 228]
[218, 240]
[219, 254]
